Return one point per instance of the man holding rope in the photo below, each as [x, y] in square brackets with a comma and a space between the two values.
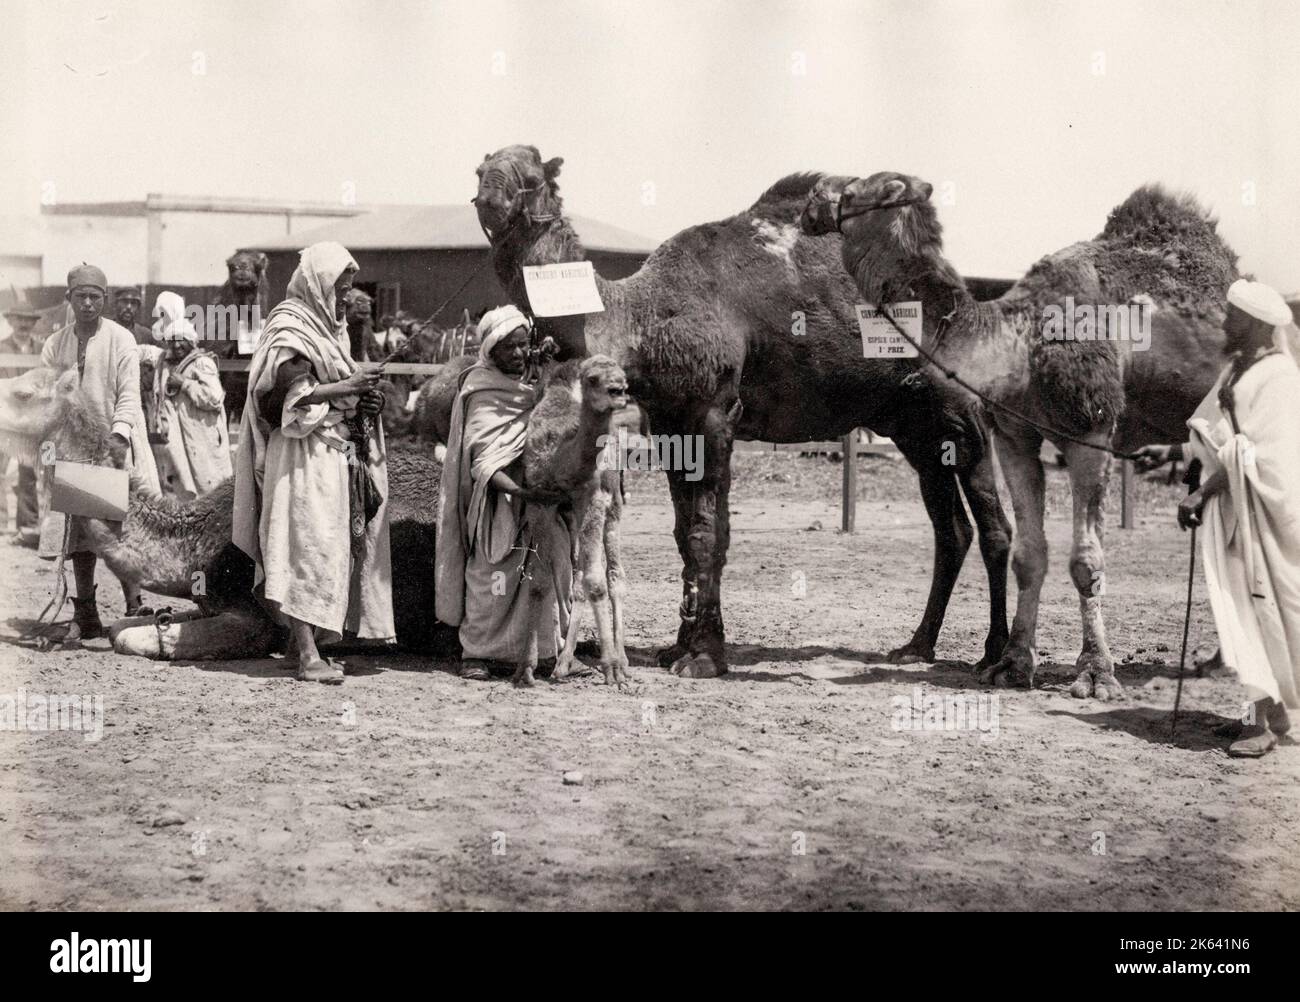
[1244, 433]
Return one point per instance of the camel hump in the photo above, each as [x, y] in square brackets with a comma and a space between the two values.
[1155, 217]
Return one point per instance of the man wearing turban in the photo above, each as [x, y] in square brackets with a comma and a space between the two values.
[1245, 435]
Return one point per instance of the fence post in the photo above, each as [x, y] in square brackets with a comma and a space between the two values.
[849, 492]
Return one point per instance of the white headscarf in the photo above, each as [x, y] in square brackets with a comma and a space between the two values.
[495, 325]
[311, 289]
[171, 324]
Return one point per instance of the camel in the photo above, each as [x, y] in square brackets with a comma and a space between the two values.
[1154, 278]
[567, 463]
[737, 329]
[183, 550]
[247, 289]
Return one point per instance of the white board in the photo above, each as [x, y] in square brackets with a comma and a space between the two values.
[879, 339]
[561, 290]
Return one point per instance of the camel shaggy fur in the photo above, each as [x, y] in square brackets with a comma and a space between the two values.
[1152, 287]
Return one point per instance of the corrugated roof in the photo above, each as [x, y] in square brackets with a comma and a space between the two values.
[444, 227]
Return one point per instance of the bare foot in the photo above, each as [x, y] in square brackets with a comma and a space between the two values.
[320, 671]
[523, 677]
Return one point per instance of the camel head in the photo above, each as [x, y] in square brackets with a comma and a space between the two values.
[821, 212]
[888, 225]
[514, 185]
[245, 270]
[603, 385]
[35, 408]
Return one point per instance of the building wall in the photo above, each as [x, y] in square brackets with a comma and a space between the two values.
[117, 244]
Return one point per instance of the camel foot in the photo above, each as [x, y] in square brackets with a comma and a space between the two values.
[669, 656]
[569, 667]
[697, 666]
[1015, 667]
[616, 674]
[523, 677]
[912, 652]
[1096, 678]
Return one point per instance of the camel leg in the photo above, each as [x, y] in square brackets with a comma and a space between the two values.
[708, 539]
[615, 575]
[564, 663]
[1089, 472]
[1024, 475]
[952, 538]
[229, 636]
[680, 490]
[595, 582]
[980, 487]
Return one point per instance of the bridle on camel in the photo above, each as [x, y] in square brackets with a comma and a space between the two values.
[1045, 429]
[517, 211]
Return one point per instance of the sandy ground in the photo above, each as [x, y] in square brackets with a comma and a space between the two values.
[788, 784]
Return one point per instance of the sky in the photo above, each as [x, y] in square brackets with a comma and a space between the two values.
[1032, 118]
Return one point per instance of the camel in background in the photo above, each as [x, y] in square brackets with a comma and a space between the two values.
[742, 329]
[1154, 279]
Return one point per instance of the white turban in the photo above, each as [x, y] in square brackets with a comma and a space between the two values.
[171, 324]
[496, 324]
[1260, 301]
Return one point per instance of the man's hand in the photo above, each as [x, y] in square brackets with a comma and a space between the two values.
[174, 383]
[1151, 456]
[117, 450]
[1189, 510]
[371, 402]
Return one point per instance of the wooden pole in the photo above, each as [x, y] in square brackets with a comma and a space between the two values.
[1126, 494]
[849, 492]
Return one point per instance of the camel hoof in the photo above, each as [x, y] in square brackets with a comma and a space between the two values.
[616, 675]
[561, 668]
[523, 677]
[910, 654]
[1096, 678]
[669, 656]
[1015, 667]
[696, 666]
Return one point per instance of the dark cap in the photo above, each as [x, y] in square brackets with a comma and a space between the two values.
[87, 274]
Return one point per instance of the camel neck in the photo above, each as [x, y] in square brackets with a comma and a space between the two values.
[549, 242]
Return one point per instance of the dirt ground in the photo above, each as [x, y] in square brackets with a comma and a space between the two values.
[790, 783]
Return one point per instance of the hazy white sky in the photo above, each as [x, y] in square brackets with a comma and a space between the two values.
[1031, 117]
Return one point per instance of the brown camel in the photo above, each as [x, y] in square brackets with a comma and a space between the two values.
[246, 289]
[739, 328]
[566, 463]
[183, 550]
[1122, 361]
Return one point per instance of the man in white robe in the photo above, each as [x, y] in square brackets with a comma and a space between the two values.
[323, 562]
[1246, 435]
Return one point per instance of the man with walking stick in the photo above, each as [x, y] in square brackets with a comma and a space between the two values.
[1246, 436]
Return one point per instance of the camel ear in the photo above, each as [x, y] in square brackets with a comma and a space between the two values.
[67, 383]
[551, 169]
[262, 262]
[894, 190]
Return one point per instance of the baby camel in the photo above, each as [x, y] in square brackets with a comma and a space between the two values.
[567, 463]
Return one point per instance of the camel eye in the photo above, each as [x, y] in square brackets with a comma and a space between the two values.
[23, 394]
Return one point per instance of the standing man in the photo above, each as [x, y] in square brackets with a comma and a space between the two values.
[1245, 435]
[127, 311]
[104, 355]
[22, 320]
